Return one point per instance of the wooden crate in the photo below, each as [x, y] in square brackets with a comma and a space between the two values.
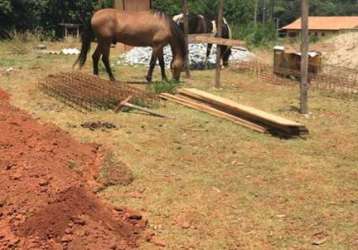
[133, 5]
[289, 63]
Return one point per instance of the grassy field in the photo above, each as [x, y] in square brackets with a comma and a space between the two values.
[205, 183]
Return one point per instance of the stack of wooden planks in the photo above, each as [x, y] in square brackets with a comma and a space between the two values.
[246, 116]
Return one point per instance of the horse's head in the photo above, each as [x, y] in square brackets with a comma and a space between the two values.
[178, 48]
[177, 66]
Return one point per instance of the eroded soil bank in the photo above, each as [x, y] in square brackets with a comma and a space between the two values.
[44, 202]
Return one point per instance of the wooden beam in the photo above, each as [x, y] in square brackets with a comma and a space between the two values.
[304, 57]
[212, 111]
[245, 112]
[209, 38]
[218, 48]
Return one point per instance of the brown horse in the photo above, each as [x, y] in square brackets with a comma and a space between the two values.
[144, 28]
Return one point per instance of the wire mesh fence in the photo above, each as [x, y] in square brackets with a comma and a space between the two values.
[88, 92]
[330, 78]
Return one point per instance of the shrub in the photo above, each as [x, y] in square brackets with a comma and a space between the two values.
[256, 35]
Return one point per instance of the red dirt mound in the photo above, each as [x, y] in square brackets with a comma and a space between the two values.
[44, 202]
[3, 95]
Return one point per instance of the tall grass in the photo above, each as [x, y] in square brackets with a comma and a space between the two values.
[164, 87]
[21, 43]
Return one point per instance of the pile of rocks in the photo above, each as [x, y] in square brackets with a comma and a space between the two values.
[197, 56]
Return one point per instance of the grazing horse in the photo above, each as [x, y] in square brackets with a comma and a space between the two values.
[198, 24]
[144, 28]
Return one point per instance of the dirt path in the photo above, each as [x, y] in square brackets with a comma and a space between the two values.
[44, 202]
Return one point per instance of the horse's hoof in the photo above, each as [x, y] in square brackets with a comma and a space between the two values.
[149, 79]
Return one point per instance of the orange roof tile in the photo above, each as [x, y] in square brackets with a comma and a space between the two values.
[326, 23]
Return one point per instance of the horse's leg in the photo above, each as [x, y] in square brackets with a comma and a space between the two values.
[162, 65]
[226, 53]
[153, 61]
[105, 58]
[208, 51]
[156, 51]
[95, 57]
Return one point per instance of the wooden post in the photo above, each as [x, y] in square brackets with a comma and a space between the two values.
[118, 4]
[304, 57]
[186, 32]
[218, 48]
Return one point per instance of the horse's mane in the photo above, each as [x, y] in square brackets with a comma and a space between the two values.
[178, 35]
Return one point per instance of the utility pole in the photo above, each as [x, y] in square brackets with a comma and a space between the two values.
[218, 48]
[186, 32]
[304, 57]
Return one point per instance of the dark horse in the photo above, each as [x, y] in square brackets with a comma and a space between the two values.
[144, 28]
[199, 24]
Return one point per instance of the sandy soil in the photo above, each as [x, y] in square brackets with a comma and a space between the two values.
[345, 50]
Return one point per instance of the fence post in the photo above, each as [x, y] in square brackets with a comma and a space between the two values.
[218, 48]
[304, 57]
[186, 32]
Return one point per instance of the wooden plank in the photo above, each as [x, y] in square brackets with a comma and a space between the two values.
[208, 97]
[193, 37]
[212, 111]
[245, 112]
[209, 38]
[137, 5]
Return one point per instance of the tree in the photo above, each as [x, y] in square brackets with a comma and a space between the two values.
[5, 17]
[45, 15]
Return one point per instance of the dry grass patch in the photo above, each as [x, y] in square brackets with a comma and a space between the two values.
[205, 183]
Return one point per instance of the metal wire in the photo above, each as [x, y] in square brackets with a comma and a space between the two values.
[331, 78]
[91, 93]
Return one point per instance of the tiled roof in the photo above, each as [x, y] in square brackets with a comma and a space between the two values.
[326, 23]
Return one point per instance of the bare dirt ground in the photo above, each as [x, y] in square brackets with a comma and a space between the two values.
[344, 52]
[205, 183]
[46, 201]
[337, 50]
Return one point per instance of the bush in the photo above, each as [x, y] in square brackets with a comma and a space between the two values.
[45, 15]
[259, 35]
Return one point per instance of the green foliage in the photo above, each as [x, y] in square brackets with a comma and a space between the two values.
[241, 14]
[45, 15]
[164, 87]
[236, 11]
[257, 35]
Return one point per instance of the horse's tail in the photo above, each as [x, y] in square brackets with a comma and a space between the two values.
[178, 38]
[86, 37]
